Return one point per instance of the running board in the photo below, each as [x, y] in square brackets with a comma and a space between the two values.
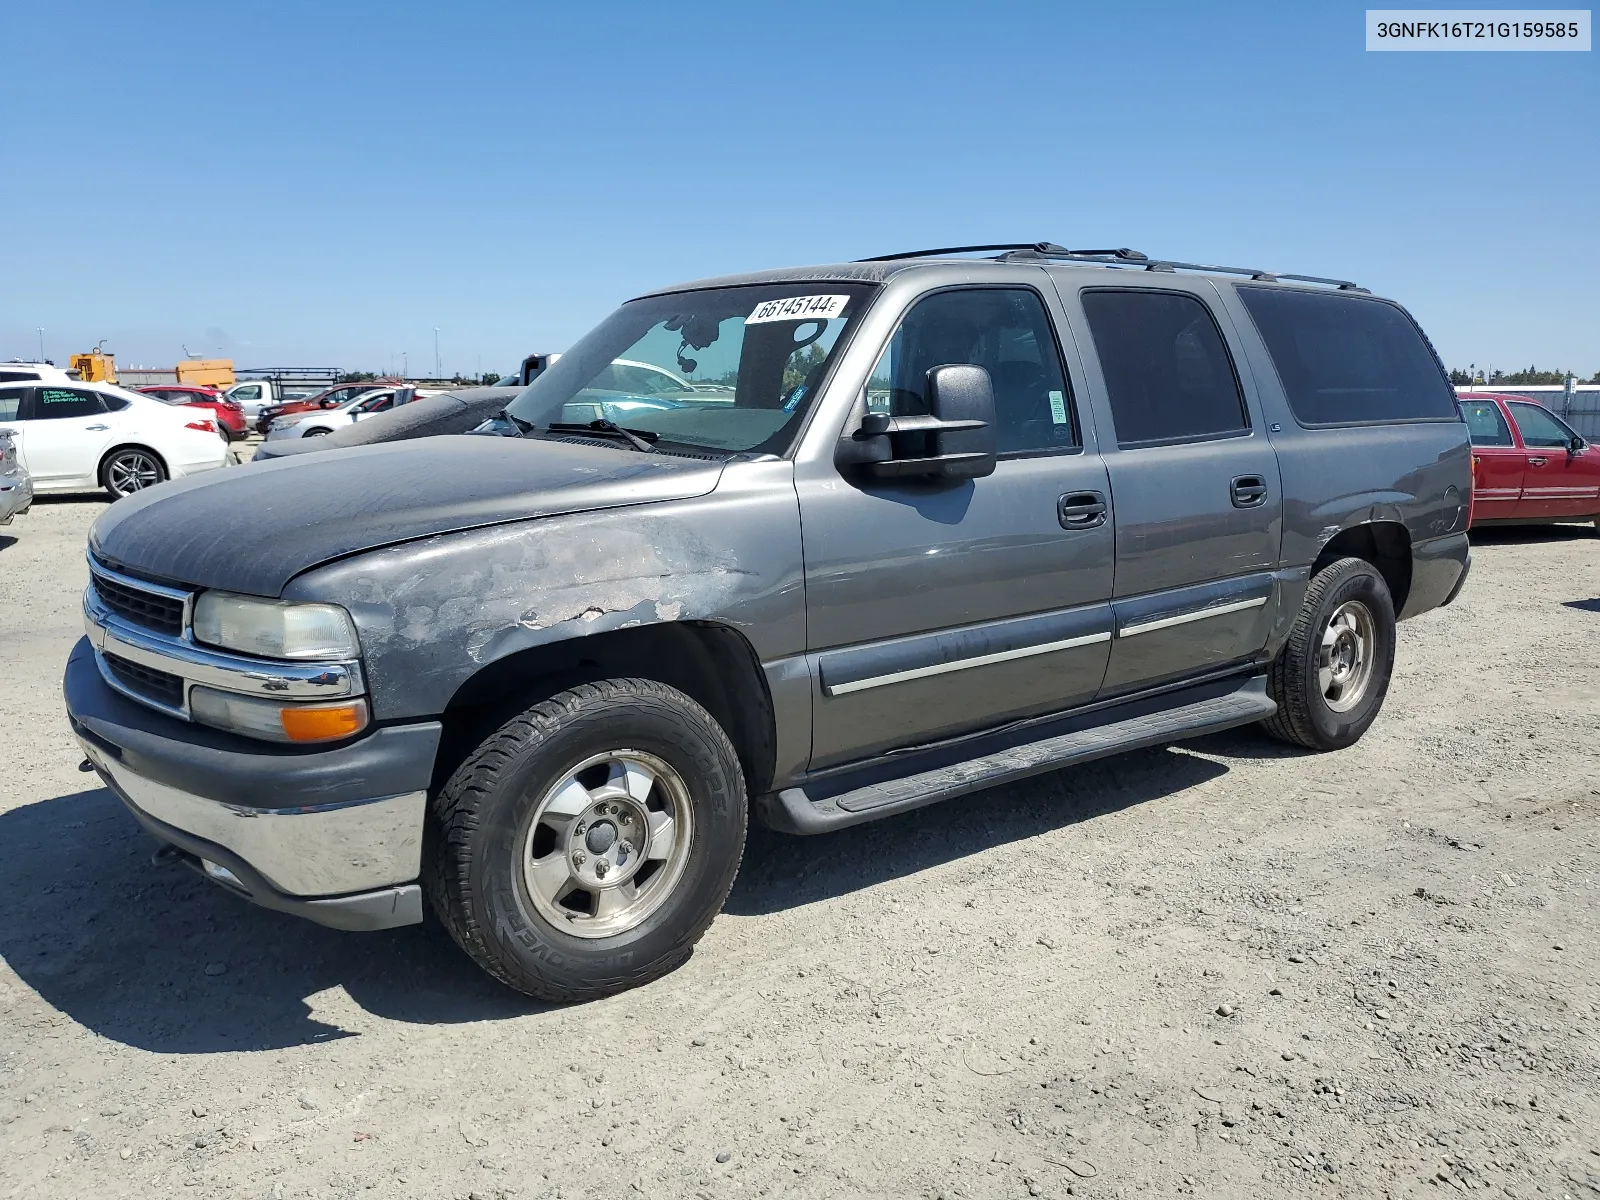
[794, 811]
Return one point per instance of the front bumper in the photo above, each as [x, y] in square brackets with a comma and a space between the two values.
[331, 835]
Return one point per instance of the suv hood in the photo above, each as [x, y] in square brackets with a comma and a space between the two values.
[252, 529]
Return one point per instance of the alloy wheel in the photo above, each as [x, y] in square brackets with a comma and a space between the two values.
[607, 844]
[1344, 660]
[132, 471]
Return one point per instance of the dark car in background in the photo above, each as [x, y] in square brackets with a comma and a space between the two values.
[452, 412]
[228, 413]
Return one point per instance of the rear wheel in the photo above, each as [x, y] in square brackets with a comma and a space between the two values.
[586, 845]
[1331, 675]
[131, 469]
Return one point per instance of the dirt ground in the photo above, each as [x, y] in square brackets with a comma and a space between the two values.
[1223, 969]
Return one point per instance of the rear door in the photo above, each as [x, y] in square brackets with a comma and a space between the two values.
[1558, 480]
[1498, 461]
[66, 430]
[1193, 477]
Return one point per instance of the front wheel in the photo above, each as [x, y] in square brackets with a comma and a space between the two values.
[316, 433]
[586, 845]
[1331, 675]
[131, 470]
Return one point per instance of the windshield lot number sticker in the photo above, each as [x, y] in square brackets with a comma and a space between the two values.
[798, 308]
[1058, 408]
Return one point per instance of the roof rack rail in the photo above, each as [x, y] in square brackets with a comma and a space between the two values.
[1124, 257]
[1037, 247]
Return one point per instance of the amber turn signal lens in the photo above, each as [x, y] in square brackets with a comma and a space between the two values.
[324, 722]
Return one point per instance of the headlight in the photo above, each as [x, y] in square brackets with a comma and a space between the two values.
[275, 721]
[274, 628]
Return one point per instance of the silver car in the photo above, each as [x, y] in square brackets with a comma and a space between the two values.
[16, 485]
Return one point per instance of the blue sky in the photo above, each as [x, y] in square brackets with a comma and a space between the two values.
[324, 183]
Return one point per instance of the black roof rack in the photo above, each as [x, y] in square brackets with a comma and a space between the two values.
[1124, 257]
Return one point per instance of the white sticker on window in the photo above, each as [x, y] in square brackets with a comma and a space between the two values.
[798, 308]
[1058, 408]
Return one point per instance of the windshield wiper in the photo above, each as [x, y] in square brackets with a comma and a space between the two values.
[639, 439]
[518, 425]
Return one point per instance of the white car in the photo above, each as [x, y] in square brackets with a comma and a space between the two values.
[252, 395]
[321, 421]
[19, 371]
[74, 437]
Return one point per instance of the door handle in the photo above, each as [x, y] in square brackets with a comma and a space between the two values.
[1537, 462]
[1081, 510]
[96, 428]
[1249, 491]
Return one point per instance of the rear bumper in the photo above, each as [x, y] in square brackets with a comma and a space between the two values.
[182, 470]
[331, 835]
[1438, 571]
[16, 494]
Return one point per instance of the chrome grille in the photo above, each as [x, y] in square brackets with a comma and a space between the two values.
[151, 609]
[159, 686]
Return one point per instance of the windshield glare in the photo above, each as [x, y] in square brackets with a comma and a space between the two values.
[730, 369]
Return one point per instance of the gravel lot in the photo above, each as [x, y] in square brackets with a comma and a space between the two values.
[1225, 968]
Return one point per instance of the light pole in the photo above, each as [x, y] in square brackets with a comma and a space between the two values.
[438, 371]
[405, 364]
[41, 343]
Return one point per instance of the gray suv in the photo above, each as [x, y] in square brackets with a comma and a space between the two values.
[820, 544]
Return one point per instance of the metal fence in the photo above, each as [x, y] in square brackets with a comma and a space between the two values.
[1579, 408]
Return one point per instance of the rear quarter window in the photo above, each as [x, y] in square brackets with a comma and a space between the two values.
[1347, 360]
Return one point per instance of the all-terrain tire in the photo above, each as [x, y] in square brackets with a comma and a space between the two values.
[474, 850]
[1305, 715]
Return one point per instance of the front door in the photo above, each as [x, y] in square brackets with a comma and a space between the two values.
[938, 609]
[1195, 479]
[66, 430]
[1558, 480]
[1498, 462]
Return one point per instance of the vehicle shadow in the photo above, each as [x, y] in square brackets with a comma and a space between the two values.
[7, 541]
[1529, 535]
[782, 872]
[54, 498]
[124, 944]
[1591, 605]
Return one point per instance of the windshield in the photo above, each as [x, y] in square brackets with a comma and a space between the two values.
[729, 369]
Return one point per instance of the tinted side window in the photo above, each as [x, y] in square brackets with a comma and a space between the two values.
[11, 402]
[1168, 374]
[1345, 359]
[13, 376]
[1539, 428]
[1485, 424]
[55, 403]
[1007, 332]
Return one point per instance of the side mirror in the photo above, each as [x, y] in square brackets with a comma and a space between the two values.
[1576, 444]
[956, 440]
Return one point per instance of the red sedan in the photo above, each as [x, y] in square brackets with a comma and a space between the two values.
[229, 416]
[1529, 466]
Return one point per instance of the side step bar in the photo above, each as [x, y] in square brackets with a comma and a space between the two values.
[794, 811]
